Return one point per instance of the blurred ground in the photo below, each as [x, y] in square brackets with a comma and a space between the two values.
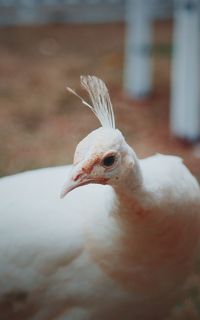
[41, 123]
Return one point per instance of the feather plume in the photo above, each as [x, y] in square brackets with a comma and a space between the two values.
[101, 104]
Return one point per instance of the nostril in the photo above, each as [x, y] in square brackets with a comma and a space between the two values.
[78, 176]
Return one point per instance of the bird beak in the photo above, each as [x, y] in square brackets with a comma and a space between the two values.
[81, 175]
[76, 178]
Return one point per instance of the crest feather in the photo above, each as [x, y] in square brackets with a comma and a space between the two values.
[101, 104]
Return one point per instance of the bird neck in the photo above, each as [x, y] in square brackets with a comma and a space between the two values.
[129, 190]
[116, 247]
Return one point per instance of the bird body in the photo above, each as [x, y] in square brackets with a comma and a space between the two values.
[120, 247]
[62, 258]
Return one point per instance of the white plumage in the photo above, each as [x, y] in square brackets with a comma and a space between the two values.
[121, 248]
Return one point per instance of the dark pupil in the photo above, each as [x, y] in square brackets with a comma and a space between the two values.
[108, 161]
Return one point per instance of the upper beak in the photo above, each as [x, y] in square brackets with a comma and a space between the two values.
[79, 177]
[76, 178]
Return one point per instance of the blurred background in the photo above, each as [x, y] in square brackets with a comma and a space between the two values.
[147, 52]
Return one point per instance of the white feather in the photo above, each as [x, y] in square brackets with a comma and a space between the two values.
[101, 104]
[43, 244]
[113, 252]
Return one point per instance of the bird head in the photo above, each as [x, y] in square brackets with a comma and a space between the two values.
[102, 157]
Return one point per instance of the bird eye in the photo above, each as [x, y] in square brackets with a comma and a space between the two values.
[108, 161]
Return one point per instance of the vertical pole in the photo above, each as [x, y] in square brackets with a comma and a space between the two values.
[138, 69]
[185, 91]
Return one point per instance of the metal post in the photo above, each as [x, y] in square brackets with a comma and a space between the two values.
[185, 96]
[138, 69]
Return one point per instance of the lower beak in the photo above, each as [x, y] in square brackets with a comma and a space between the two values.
[71, 185]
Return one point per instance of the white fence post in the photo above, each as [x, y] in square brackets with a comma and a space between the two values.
[138, 69]
[185, 86]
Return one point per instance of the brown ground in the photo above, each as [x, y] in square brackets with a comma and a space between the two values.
[41, 124]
